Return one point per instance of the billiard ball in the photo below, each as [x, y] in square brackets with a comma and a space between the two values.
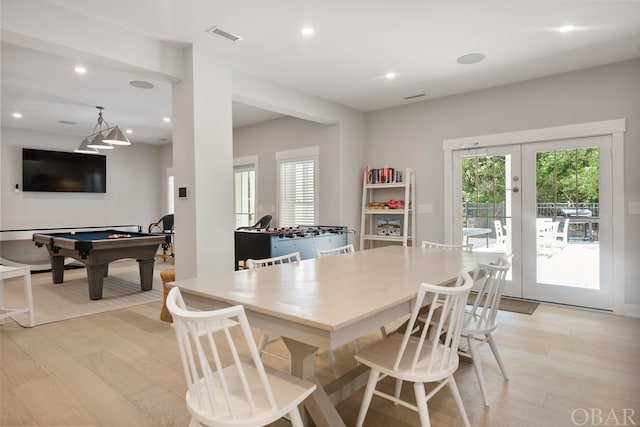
[73, 233]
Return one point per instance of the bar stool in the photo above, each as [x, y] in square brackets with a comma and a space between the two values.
[168, 275]
[7, 272]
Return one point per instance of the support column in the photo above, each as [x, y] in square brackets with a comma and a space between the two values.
[203, 164]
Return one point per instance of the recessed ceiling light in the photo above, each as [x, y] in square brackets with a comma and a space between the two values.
[471, 58]
[222, 33]
[17, 115]
[141, 84]
[306, 31]
[390, 76]
[166, 120]
[567, 28]
[67, 122]
[128, 131]
[80, 69]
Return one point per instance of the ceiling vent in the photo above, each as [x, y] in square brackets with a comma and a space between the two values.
[222, 33]
[420, 95]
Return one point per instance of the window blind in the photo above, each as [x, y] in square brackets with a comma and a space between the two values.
[297, 192]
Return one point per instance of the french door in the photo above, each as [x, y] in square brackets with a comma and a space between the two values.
[549, 205]
[568, 227]
[488, 215]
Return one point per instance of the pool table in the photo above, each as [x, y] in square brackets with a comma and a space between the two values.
[96, 249]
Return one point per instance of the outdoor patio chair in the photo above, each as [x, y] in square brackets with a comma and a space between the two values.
[501, 239]
[562, 234]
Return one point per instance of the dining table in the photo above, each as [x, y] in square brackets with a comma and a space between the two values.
[324, 303]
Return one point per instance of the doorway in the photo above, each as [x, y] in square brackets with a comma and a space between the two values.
[488, 205]
[549, 202]
[567, 232]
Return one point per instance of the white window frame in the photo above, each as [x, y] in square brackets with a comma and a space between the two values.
[301, 154]
[247, 163]
[170, 195]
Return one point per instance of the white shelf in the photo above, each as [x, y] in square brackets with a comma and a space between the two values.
[378, 193]
[386, 211]
[389, 185]
[385, 238]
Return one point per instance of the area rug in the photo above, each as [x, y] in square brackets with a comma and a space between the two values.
[70, 299]
[513, 305]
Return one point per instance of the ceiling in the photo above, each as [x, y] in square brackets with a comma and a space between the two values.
[355, 44]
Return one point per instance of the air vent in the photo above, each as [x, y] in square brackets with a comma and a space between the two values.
[222, 33]
[420, 95]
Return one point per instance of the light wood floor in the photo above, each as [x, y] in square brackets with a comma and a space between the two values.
[122, 368]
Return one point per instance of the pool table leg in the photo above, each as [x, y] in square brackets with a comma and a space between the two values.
[146, 273]
[57, 268]
[95, 276]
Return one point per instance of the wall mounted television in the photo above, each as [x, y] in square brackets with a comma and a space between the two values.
[59, 171]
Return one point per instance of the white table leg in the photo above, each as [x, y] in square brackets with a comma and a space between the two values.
[28, 295]
[319, 406]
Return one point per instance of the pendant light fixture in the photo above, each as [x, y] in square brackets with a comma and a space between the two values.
[84, 148]
[98, 141]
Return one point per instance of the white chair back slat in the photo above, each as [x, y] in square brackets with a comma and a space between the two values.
[347, 249]
[434, 245]
[265, 262]
[491, 279]
[445, 317]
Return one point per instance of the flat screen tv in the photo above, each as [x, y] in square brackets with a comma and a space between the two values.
[58, 171]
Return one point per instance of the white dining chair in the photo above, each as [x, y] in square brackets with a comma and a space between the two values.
[347, 249]
[265, 340]
[434, 245]
[222, 389]
[481, 320]
[431, 357]
[281, 259]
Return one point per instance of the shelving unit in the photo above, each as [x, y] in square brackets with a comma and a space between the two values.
[381, 223]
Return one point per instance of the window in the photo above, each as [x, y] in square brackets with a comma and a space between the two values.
[170, 180]
[298, 186]
[244, 193]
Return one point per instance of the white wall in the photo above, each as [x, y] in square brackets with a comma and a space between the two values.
[288, 133]
[346, 174]
[411, 136]
[132, 196]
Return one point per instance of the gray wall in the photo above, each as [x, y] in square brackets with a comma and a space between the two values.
[288, 133]
[412, 135]
[132, 197]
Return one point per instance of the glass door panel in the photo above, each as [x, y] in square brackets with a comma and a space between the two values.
[569, 207]
[486, 181]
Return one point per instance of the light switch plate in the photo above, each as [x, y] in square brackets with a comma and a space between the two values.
[634, 208]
